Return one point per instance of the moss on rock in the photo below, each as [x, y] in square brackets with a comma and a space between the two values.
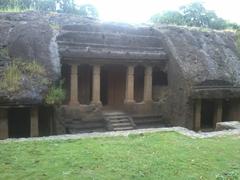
[18, 72]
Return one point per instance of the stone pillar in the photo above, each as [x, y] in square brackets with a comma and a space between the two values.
[74, 85]
[198, 110]
[96, 85]
[34, 132]
[3, 124]
[218, 112]
[147, 97]
[129, 96]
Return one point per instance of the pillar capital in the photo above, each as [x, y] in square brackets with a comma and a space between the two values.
[74, 69]
[148, 70]
[130, 70]
[96, 69]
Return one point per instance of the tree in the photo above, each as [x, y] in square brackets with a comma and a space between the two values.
[88, 10]
[44, 5]
[193, 15]
[66, 6]
[62, 6]
[169, 17]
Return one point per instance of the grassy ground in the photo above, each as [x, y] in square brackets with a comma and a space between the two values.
[151, 156]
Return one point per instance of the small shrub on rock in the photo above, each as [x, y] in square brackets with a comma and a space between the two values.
[56, 95]
[20, 71]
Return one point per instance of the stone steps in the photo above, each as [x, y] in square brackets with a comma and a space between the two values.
[150, 121]
[118, 121]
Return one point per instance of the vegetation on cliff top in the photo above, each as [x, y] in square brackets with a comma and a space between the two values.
[62, 6]
[193, 15]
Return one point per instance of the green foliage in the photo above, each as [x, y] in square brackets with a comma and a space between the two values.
[88, 10]
[31, 68]
[66, 6]
[11, 80]
[193, 15]
[62, 6]
[169, 17]
[232, 175]
[56, 95]
[4, 52]
[54, 26]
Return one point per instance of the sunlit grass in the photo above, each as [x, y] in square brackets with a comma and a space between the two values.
[148, 156]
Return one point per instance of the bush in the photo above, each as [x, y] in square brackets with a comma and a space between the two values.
[4, 52]
[56, 95]
[11, 78]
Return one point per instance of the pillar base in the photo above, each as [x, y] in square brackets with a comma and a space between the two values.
[74, 103]
[148, 101]
[129, 101]
[99, 103]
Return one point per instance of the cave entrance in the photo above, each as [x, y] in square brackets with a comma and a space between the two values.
[113, 78]
[207, 114]
[19, 122]
[138, 83]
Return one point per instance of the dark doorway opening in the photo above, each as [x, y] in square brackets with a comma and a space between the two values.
[45, 120]
[207, 114]
[138, 83]
[19, 122]
[66, 72]
[104, 86]
[160, 78]
[113, 79]
[84, 83]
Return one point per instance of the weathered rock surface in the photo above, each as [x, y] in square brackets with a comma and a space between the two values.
[203, 56]
[110, 41]
[28, 37]
[193, 57]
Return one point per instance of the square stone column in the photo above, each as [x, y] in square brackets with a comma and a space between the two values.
[3, 124]
[147, 96]
[218, 112]
[34, 131]
[197, 115]
[96, 85]
[74, 85]
[129, 96]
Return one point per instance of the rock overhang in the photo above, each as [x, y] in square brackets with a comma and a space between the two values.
[111, 42]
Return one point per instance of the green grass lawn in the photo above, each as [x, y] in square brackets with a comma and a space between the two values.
[150, 156]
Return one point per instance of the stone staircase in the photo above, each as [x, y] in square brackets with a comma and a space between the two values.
[118, 121]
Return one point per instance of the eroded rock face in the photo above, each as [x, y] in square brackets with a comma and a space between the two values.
[35, 41]
[198, 58]
[203, 55]
[28, 37]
